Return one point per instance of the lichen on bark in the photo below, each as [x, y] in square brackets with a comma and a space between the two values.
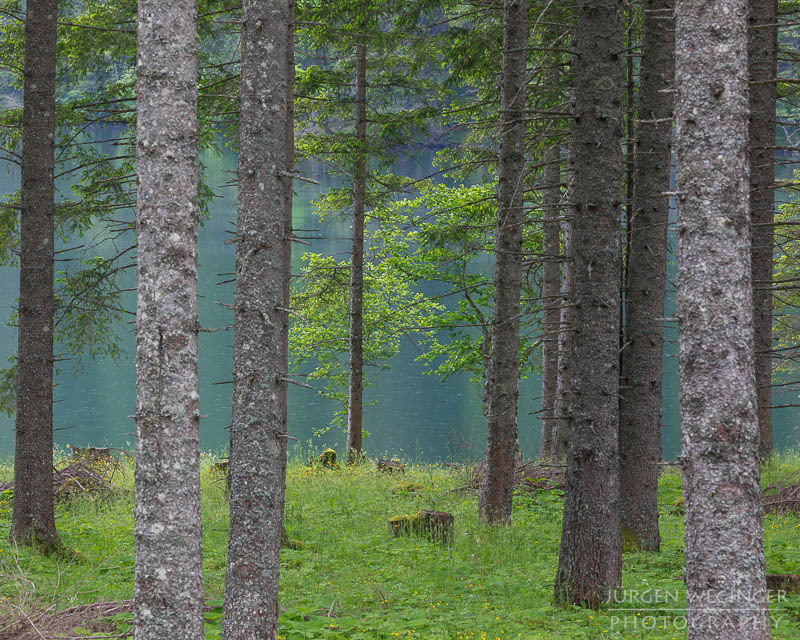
[258, 430]
[725, 578]
[168, 594]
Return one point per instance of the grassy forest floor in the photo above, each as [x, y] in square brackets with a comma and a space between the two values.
[351, 579]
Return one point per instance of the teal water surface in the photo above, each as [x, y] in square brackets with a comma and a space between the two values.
[416, 415]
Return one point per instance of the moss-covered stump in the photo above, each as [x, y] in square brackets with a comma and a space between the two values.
[433, 525]
[391, 466]
[407, 487]
[328, 459]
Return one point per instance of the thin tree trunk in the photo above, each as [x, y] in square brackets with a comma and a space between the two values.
[628, 163]
[762, 64]
[33, 520]
[355, 395]
[288, 222]
[258, 432]
[562, 407]
[725, 580]
[494, 502]
[589, 563]
[640, 404]
[551, 295]
[168, 588]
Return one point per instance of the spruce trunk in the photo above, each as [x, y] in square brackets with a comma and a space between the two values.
[494, 503]
[551, 297]
[561, 408]
[33, 520]
[168, 588]
[640, 404]
[762, 54]
[258, 431]
[726, 595]
[589, 563]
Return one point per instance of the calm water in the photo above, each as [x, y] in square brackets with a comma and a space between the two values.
[416, 416]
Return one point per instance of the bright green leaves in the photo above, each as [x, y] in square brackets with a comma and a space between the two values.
[318, 337]
[444, 239]
[428, 276]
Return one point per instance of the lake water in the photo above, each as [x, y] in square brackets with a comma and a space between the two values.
[416, 416]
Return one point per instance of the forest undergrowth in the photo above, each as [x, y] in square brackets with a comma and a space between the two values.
[348, 578]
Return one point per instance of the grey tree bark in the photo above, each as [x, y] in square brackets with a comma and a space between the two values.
[355, 395]
[551, 296]
[762, 61]
[494, 502]
[32, 519]
[258, 431]
[287, 212]
[168, 589]
[725, 582]
[589, 562]
[640, 403]
[562, 406]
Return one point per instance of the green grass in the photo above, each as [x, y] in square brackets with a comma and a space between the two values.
[352, 580]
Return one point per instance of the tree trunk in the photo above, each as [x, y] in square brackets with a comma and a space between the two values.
[762, 56]
[355, 393]
[288, 222]
[589, 563]
[258, 432]
[33, 520]
[551, 297]
[502, 377]
[168, 588]
[561, 409]
[725, 582]
[640, 405]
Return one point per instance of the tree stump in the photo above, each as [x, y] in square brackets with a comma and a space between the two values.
[328, 459]
[436, 526]
[406, 487]
[391, 466]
